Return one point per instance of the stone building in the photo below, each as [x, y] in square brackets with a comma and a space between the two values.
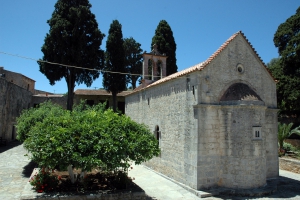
[216, 122]
[39, 98]
[16, 92]
[93, 97]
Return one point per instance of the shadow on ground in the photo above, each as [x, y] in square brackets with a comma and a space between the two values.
[286, 188]
[9, 146]
[27, 169]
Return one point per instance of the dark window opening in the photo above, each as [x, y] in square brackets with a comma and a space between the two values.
[90, 102]
[257, 134]
[121, 107]
[159, 70]
[157, 132]
[150, 69]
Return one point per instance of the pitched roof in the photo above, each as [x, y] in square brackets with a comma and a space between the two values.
[202, 65]
[98, 92]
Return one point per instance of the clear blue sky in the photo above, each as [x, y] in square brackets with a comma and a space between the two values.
[199, 27]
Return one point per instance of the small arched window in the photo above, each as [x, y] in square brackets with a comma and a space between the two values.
[157, 132]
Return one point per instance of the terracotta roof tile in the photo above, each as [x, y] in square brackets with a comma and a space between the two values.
[202, 65]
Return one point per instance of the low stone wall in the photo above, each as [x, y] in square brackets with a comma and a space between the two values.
[116, 196]
[289, 165]
[294, 142]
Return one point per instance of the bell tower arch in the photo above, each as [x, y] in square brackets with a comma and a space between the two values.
[154, 65]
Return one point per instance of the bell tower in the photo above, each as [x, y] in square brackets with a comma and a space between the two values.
[154, 65]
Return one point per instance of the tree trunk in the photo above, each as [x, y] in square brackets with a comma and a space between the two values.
[133, 83]
[114, 96]
[71, 85]
[71, 174]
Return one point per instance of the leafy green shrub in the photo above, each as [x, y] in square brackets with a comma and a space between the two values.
[288, 146]
[86, 138]
[30, 117]
[285, 131]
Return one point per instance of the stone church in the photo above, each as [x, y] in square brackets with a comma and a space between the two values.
[216, 122]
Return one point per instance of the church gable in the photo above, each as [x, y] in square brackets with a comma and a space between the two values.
[236, 62]
[231, 53]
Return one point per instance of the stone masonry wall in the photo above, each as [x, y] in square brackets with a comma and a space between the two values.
[57, 99]
[228, 155]
[222, 73]
[13, 100]
[270, 130]
[169, 106]
[19, 79]
[98, 99]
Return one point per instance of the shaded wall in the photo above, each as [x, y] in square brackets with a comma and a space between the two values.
[13, 99]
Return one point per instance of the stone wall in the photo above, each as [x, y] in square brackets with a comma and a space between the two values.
[169, 106]
[98, 99]
[222, 72]
[18, 79]
[57, 99]
[206, 142]
[229, 155]
[294, 142]
[271, 130]
[13, 99]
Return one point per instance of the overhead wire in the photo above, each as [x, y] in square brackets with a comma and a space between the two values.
[73, 66]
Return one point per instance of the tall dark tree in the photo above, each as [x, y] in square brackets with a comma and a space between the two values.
[133, 60]
[74, 39]
[114, 80]
[165, 42]
[288, 88]
[287, 39]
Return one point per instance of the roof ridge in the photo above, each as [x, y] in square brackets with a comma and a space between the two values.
[200, 66]
[222, 47]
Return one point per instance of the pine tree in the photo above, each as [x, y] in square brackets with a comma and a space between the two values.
[287, 40]
[165, 42]
[74, 39]
[113, 79]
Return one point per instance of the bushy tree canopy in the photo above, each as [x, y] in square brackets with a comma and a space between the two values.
[288, 87]
[29, 118]
[287, 39]
[133, 60]
[73, 39]
[86, 138]
[113, 79]
[165, 42]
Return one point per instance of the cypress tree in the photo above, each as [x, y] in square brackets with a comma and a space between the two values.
[73, 39]
[113, 79]
[133, 60]
[165, 42]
